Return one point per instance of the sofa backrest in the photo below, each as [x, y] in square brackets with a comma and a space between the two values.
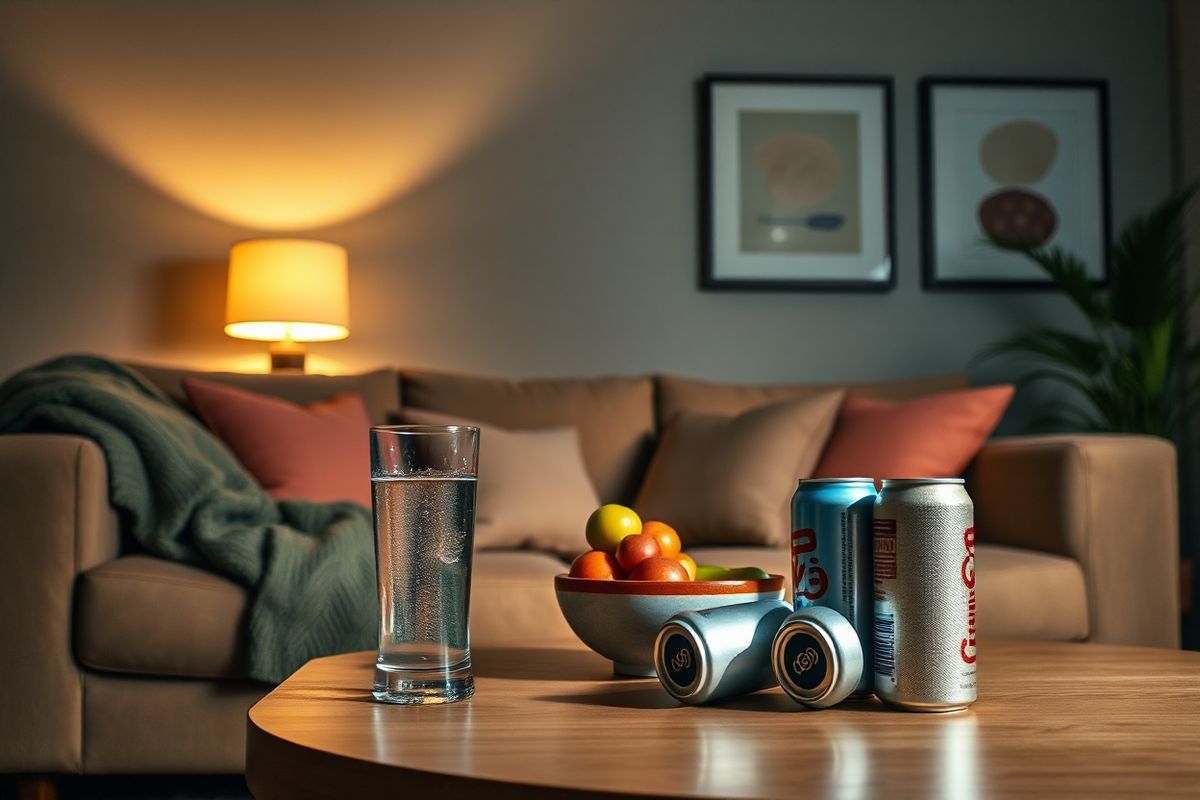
[617, 417]
[674, 394]
[614, 416]
[380, 389]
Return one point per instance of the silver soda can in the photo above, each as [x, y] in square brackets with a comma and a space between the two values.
[924, 627]
[701, 656]
[831, 554]
[817, 656]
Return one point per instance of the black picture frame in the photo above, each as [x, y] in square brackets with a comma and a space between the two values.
[931, 277]
[710, 273]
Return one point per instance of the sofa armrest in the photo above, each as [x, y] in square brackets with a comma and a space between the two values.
[55, 522]
[1108, 501]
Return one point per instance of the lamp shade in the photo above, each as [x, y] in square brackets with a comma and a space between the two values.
[287, 289]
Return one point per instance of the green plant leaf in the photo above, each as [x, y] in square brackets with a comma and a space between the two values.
[1066, 349]
[1069, 273]
[1153, 347]
[1146, 265]
[1127, 392]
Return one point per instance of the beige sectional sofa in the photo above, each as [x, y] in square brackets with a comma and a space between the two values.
[119, 662]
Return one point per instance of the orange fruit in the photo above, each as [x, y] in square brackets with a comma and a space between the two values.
[665, 535]
[635, 549]
[659, 569]
[597, 565]
[689, 564]
[609, 524]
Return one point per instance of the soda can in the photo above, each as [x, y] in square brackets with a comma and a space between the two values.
[831, 554]
[701, 656]
[924, 628]
[817, 656]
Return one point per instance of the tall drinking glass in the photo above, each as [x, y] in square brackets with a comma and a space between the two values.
[423, 483]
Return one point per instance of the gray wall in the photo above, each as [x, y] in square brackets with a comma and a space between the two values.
[519, 177]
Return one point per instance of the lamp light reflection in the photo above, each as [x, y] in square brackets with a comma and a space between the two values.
[958, 757]
[281, 116]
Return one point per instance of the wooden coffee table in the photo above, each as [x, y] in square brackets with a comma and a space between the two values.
[551, 721]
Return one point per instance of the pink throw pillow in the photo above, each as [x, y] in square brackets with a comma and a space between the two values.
[930, 437]
[318, 452]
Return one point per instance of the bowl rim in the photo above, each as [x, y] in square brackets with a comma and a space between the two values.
[565, 583]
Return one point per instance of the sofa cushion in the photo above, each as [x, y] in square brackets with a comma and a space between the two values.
[318, 452]
[1024, 594]
[614, 416]
[1021, 594]
[379, 390]
[674, 394]
[934, 436]
[533, 489]
[721, 479]
[513, 600]
[147, 616]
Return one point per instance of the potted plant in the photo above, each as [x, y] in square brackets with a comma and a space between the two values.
[1128, 374]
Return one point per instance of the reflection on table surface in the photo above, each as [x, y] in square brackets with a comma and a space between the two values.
[1048, 721]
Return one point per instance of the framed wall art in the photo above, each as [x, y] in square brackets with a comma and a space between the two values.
[796, 183]
[1023, 160]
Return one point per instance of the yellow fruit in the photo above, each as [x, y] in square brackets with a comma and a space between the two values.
[688, 563]
[609, 524]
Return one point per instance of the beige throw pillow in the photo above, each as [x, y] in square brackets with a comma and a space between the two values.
[728, 479]
[533, 488]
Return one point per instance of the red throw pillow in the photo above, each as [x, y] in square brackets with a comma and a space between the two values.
[318, 452]
[930, 437]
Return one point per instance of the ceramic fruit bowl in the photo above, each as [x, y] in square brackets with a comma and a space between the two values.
[619, 619]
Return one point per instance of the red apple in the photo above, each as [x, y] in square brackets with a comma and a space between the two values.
[659, 569]
[635, 549]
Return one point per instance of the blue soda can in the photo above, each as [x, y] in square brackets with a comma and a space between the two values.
[832, 545]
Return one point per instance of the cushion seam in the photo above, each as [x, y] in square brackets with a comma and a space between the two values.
[160, 673]
[190, 584]
[1032, 568]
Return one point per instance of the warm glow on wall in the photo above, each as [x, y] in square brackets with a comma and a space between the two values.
[288, 291]
[281, 116]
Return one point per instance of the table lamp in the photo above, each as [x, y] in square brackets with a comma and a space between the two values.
[287, 291]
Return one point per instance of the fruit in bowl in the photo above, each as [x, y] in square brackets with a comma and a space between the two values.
[659, 569]
[617, 596]
[609, 524]
[597, 565]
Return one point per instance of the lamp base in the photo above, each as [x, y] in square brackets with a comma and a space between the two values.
[287, 356]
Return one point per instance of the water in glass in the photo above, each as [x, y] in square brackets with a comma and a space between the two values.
[424, 534]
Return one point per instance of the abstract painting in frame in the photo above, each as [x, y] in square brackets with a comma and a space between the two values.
[796, 183]
[1018, 160]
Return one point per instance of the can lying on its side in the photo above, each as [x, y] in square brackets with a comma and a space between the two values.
[701, 656]
[831, 554]
[924, 627]
[817, 657]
